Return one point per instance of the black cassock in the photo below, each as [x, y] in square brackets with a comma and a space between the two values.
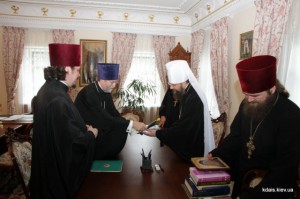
[186, 136]
[169, 108]
[62, 149]
[97, 108]
[277, 151]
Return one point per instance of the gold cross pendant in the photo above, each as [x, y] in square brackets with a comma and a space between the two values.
[250, 147]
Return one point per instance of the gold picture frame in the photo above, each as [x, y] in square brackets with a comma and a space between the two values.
[215, 163]
[92, 53]
[246, 40]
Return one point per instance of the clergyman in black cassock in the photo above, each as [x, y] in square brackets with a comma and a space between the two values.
[96, 106]
[191, 135]
[62, 145]
[264, 134]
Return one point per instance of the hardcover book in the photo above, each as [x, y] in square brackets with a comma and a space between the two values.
[107, 166]
[209, 177]
[210, 186]
[206, 191]
[214, 163]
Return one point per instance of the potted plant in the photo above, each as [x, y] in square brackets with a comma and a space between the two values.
[132, 98]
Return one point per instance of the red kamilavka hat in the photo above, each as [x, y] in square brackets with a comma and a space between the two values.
[63, 55]
[257, 74]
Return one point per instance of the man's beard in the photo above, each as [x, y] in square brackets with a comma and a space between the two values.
[108, 90]
[177, 95]
[259, 110]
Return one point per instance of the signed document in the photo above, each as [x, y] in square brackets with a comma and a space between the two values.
[215, 163]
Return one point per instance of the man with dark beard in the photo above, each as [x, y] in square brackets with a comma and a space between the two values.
[191, 135]
[264, 135]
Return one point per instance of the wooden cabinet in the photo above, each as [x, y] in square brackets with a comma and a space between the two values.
[180, 53]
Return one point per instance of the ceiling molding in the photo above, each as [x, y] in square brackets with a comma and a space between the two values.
[227, 10]
[75, 24]
[61, 14]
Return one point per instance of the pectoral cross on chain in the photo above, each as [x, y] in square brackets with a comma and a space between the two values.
[250, 147]
[175, 103]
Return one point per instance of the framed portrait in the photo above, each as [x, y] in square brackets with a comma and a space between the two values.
[92, 53]
[246, 40]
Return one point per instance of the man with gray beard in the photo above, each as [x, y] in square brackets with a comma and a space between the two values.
[264, 135]
[96, 106]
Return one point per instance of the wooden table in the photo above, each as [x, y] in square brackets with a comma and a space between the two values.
[131, 183]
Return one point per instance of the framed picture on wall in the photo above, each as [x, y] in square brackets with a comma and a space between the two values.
[246, 40]
[92, 52]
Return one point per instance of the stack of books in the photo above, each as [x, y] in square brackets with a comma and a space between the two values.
[208, 178]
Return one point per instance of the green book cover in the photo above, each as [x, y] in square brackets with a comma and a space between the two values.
[107, 166]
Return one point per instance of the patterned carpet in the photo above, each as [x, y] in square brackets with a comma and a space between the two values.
[9, 186]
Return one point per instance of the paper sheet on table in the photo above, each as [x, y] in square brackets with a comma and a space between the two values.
[27, 117]
[13, 117]
[134, 132]
[17, 117]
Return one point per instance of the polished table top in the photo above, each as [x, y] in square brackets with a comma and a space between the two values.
[131, 183]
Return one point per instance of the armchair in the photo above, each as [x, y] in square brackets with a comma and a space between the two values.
[19, 147]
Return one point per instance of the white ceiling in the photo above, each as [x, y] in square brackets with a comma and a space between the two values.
[166, 17]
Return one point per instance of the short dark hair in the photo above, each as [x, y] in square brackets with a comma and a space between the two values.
[54, 73]
[281, 89]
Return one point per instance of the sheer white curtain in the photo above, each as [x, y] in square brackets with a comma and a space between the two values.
[289, 66]
[143, 67]
[35, 59]
[205, 77]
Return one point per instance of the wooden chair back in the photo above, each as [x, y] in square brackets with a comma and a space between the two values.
[219, 128]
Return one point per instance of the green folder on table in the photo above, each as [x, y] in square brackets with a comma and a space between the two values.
[107, 166]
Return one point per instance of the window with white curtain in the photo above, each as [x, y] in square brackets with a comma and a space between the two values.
[205, 78]
[143, 68]
[289, 66]
[35, 59]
